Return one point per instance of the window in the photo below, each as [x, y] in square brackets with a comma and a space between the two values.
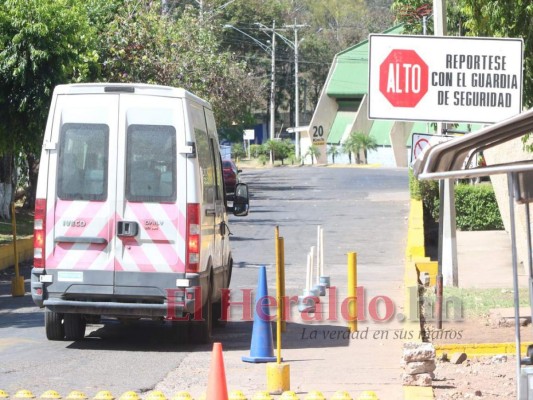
[151, 163]
[82, 163]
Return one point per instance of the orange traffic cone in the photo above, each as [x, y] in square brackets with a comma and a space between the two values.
[216, 386]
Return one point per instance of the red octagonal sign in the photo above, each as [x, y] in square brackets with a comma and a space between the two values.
[403, 78]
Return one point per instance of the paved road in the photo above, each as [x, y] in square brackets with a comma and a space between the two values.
[362, 210]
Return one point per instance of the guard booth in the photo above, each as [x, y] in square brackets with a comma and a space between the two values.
[453, 160]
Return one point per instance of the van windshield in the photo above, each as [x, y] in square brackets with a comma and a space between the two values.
[82, 163]
[151, 163]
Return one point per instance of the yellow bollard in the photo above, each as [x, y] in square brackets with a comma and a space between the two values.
[104, 395]
[236, 395]
[129, 395]
[50, 395]
[341, 395]
[282, 278]
[315, 395]
[352, 292]
[17, 282]
[368, 395]
[3, 394]
[278, 378]
[24, 394]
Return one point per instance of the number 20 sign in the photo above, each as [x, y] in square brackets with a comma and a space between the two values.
[318, 135]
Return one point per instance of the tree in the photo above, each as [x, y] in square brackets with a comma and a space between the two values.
[42, 43]
[364, 143]
[313, 152]
[237, 151]
[333, 151]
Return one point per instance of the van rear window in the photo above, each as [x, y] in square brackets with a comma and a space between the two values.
[82, 163]
[151, 163]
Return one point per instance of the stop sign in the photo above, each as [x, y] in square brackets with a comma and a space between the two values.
[403, 78]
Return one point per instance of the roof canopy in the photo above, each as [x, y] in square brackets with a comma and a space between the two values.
[452, 159]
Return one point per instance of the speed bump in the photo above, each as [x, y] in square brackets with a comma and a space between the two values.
[50, 395]
[76, 395]
[129, 395]
[262, 396]
[156, 395]
[368, 395]
[341, 395]
[289, 395]
[237, 395]
[104, 395]
[24, 394]
[315, 395]
[182, 396]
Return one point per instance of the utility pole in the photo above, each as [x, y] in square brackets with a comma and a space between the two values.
[296, 86]
[273, 89]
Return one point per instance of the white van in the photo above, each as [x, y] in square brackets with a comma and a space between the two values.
[131, 214]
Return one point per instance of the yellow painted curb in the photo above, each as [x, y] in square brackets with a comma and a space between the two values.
[415, 254]
[7, 255]
[417, 393]
[431, 267]
[481, 349]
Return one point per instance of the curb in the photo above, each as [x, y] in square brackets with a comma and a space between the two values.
[481, 349]
[414, 256]
[24, 250]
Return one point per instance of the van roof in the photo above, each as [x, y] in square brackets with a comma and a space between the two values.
[138, 88]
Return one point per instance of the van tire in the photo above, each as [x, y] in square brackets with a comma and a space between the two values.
[75, 325]
[200, 331]
[53, 324]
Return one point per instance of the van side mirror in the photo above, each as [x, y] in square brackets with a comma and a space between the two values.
[241, 200]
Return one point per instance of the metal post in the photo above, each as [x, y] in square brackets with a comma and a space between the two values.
[279, 261]
[510, 182]
[296, 92]
[352, 292]
[273, 89]
[17, 282]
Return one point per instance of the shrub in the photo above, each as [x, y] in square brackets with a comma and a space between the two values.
[476, 208]
[475, 205]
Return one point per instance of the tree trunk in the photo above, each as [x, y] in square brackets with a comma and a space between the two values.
[33, 170]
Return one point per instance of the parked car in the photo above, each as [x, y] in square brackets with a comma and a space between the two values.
[231, 175]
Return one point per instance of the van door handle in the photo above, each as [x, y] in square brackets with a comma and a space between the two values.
[127, 228]
[210, 212]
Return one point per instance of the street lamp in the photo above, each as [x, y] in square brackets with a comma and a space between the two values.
[272, 51]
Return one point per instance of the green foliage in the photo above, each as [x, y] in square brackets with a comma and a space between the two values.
[42, 43]
[475, 205]
[256, 150]
[281, 149]
[237, 150]
[313, 152]
[476, 208]
[357, 142]
[333, 151]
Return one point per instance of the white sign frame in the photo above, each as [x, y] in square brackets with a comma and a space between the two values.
[455, 66]
[249, 134]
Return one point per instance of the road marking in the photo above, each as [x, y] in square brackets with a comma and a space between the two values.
[8, 342]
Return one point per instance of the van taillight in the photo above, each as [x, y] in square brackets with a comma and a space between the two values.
[193, 238]
[39, 233]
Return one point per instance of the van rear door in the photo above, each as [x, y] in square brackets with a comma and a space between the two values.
[81, 181]
[151, 195]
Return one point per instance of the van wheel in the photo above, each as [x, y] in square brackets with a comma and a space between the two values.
[200, 331]
[53, 324]
[75, 326]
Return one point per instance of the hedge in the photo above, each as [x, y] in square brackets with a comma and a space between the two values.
[475, 205]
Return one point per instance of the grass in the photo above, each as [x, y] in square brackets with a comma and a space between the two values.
[24, 220]
[479, 302]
